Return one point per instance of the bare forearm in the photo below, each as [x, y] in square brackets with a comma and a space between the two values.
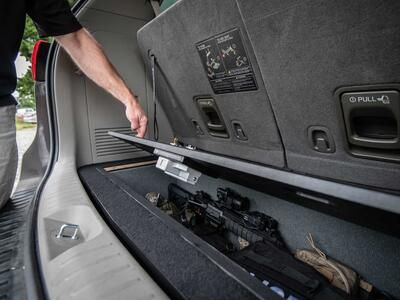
[90, 58]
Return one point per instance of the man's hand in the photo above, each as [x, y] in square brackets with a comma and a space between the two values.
[137, 117]
[90, 58]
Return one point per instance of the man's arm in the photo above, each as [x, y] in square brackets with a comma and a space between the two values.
[90, 58]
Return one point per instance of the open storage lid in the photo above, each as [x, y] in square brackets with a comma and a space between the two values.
[316, 186]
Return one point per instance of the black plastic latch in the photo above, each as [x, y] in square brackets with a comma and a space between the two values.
[196, 125]
[238, 130]
[320, 139]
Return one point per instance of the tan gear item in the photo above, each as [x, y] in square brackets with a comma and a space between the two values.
[337, 274]
[153, 197]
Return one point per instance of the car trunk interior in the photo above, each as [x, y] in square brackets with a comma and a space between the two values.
[286, 111]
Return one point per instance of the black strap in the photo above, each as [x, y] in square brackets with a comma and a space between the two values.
[153, 76]
[311, 283]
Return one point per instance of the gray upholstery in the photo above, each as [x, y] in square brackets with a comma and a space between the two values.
[304, 52]
[178, 260]
[171, 37]
[372, 254]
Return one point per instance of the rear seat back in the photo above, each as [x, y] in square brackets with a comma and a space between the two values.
[250, 130]
[305, 55]
[306, 51]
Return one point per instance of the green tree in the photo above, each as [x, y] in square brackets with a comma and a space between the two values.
[25, 85]
[25, 90]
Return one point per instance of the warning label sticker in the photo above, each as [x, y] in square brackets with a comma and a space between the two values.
[226, 63]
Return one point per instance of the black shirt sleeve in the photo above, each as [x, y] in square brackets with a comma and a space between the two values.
[52, 17]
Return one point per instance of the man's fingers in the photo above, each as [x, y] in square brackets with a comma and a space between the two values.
[139, 126]
[141, 131]
[137, 118]
[135, 124]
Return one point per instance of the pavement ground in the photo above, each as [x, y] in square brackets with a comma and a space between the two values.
[24, 140]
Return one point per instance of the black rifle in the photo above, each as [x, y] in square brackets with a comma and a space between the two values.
[229, 212]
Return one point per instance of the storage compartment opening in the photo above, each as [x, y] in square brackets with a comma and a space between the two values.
[377, 123]
[352, 245]
[212, 116]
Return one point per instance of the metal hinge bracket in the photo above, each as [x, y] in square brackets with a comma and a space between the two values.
[178, 170]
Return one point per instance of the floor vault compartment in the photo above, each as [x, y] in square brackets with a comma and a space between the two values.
[187, 267]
